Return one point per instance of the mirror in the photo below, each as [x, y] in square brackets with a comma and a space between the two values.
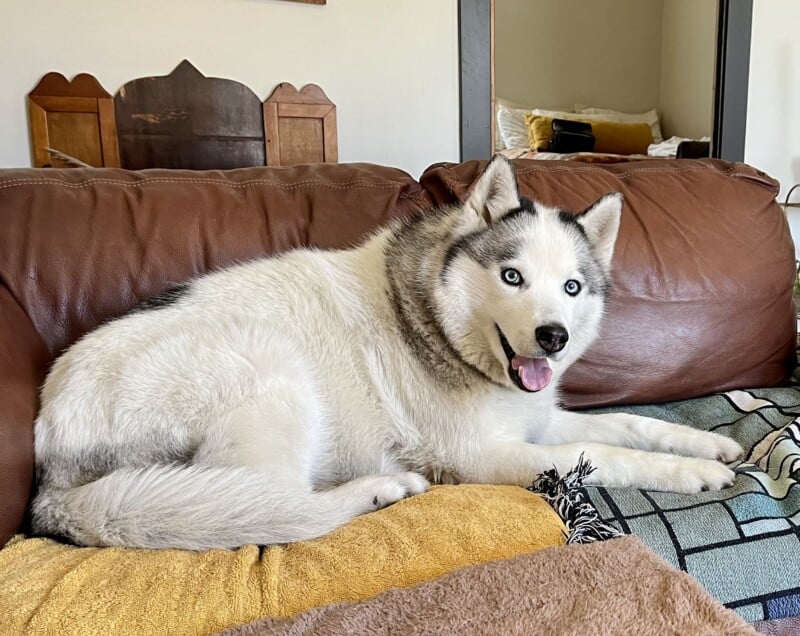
[687, 59]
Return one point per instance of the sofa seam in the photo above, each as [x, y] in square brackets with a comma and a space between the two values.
[421, 195]
[167, 180]
[622, 176]
[572, 167]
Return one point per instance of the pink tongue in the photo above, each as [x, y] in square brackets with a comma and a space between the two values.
[535, 373]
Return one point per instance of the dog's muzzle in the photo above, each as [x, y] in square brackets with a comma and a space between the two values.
[529, 374]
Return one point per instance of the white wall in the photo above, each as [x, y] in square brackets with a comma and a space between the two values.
[555, 53]
[772, 142]
[688, 50]
[390, 66]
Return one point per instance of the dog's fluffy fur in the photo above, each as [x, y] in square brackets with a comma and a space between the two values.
[274, 401]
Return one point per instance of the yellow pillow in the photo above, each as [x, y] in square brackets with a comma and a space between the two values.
[611, 137]
[540, 131]
[51, 588]
[621, 138]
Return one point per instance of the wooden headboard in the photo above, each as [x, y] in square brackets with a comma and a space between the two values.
[180, 120]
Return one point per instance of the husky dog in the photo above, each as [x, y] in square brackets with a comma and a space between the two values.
[276, 400]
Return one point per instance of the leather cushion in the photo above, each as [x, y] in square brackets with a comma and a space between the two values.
[78, 247]
[703, 272]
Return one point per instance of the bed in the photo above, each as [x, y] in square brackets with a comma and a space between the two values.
[585, 157]
[524, 132]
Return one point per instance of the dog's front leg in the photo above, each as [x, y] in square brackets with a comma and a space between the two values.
[519, 463]
[636, 431]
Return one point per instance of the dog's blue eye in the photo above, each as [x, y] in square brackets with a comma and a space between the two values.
[511, 276]
[572, 287]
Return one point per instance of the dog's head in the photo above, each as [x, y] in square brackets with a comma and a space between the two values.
[523, 284]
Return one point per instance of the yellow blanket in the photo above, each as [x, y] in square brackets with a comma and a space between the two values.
[51, 588]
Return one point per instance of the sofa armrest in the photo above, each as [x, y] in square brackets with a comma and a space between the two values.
[23, 364]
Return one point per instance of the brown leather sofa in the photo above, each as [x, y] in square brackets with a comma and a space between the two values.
[704, 266]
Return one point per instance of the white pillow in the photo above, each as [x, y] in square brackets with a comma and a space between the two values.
[499, 144]
[511, 126]
[512, 131]
[650, 118]
[555, 114]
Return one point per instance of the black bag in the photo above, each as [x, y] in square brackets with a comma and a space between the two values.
[572, 136]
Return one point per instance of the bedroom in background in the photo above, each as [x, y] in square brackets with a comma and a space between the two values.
[617, 64]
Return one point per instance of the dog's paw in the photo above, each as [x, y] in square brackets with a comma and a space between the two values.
[717, 447]
[690, 475]
[394, 487]
[724, 449]
[704, 445]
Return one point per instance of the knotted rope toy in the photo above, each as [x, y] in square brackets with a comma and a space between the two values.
[566, 497]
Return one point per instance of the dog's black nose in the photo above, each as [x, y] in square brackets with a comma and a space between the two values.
[551, 338]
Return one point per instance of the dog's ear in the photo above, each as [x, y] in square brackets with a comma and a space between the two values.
[493, 194]
[600, 221]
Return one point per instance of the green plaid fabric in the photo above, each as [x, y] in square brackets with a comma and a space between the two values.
[743, 543]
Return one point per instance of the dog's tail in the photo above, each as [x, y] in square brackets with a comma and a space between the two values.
[192, 507]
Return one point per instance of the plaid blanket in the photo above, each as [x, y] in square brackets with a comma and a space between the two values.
[742, 544]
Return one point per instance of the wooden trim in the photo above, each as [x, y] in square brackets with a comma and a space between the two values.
[330, 137]
[493, 94]
[66, 104]
[82, 85]
[108, 132]
[734, 28]
[40, 138]
[303, 110]
[273, 141]
[475, 19]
